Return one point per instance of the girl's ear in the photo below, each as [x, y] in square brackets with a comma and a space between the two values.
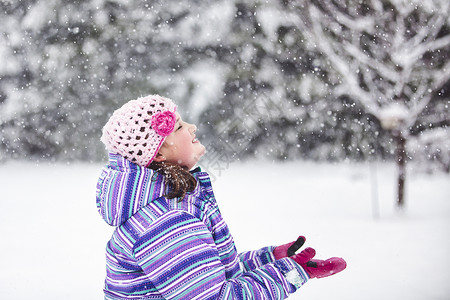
[159, 158]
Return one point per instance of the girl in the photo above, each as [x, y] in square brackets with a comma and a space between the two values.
[171, 241]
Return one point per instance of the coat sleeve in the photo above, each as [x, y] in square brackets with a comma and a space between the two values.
[251, 260]
[181, 260]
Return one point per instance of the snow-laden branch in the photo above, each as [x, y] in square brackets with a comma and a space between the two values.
[377, 5]
[408, 51]
[364, 59]
[403, 7]
[424, 95]
[378, 95]
[390, 77]
[357, 24]
[428, 32]
[412, 55]
[349, 76]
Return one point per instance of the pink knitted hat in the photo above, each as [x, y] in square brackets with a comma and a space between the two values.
[138, 129]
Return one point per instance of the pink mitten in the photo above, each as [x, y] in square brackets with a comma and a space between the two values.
[318, 268]
[288, 249]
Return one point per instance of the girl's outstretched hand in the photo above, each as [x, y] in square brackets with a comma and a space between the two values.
[314, 267]
[318, 268]
[289, 249]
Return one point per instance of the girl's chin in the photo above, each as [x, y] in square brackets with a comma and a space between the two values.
[202, 151]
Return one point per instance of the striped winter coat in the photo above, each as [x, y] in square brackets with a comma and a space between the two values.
[169, 249]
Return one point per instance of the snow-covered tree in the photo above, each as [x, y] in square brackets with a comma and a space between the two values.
[391, 56]
[274, 102]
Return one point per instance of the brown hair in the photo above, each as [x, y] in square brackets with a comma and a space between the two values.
[179, 179]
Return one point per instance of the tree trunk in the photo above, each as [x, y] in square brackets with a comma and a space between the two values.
[401, 163]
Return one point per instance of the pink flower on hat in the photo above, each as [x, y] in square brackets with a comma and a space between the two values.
[164, 122]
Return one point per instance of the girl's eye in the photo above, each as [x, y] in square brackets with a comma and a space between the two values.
[179, 127]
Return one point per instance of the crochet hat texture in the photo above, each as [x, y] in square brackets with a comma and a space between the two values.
[138, 129]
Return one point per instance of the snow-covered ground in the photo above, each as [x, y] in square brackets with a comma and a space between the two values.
[53, 239]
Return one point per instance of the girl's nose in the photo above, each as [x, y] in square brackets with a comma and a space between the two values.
[193, 128]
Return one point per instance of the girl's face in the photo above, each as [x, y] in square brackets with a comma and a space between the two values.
[181, 146]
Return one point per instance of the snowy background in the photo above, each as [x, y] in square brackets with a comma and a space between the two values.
[300, 79]
[54, 240]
